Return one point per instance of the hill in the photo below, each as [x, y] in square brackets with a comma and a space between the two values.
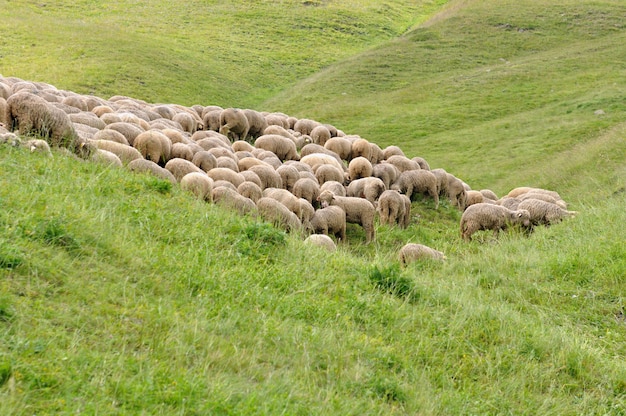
[120, 294]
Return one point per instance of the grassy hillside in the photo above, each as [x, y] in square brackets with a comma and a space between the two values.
[233, 53]
[120, 294]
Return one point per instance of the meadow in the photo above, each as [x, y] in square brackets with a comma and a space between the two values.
[121, 294]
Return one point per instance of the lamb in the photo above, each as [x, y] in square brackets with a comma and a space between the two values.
[282, 147]
[29, 113]
[358, 211]
[369, 188]
[234, 124]
[199, 184]
[321, 240]
[412, 252]
[153, 145]
[491, 217]
[394, 208]
[544, 213]
[181, 167]
[412, 182]
[359, 167]
[146, 166]
[330, 220]
[231, 199]
[278, 214]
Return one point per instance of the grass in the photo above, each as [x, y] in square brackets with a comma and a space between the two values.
[120, 294]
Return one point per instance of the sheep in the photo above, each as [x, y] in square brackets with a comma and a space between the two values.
[181, 167]
[386, 172]
[289, 176]
[306, 188]
[335, 187]
[316, 159]
[313, 148]
[231, 199]
[305, 126]
[282, 147]
[228, 163]
[246, 163]
[182, 151]
[186, 121]
[106, 157]
[369, 188]
[276, 119]
[250, 176]
[508, 202]
[234, 124]
[330, 220]
[268, 157]
[268, 176]
[129, 130]
[321, 240]
[423, 164]
[411, 252]
[38, 146]
[146, 166]
[226, 174]
[256, 123]
[473, 197]
[153, 145]
[326, 172]
[394, 208]
[392, 150]
[377, 154]
[76, 102]
[489, 194]
[211, 119]
[87, 118]
[515, 192]
[361, 147]
[358, 211]
[296, 205]
[544, 196]
[544, 213]
[124, 152]
[320, 135]
[204, 160]
[484, 216]
[412, 182]
[456, 191]
[111, 135]
[403, 163]
[250, 190]
[359, 167]
[278, 214]
[29, 113]
[340, 146]
[199, 184]
[241, 145]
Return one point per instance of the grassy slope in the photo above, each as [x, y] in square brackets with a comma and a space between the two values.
[225, 53]
[119, 295]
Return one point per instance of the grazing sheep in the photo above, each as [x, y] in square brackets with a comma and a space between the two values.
[377, 154]
[186, 121]
[250, 176]
[199, 184]
[256, 122]
[128, 130]
[340, 146]
[276, 119]
[386, 172]
[394, 208]
[306, 188]
[361, 147]
[38, 146]
[204, 160]
[289, 176]
[315, 159]
[359, 167]
[29, 113]
[268, 157]
[473, 197]
[326, 172]
[491, 217]
[456, 191]
[124, 152]
[211, 119]
[229, 198]
[412, 252]
[296, 205]
[111, 135]
[227, 162]
[442, 181]
[154, 145]
[305, 126]
[107, 158]
[403, 163]
[250, 190]
[543, 196]
[330, 220]
[320, 135]
[268, 176]
[226, 174]
[413, 182]
[278, 214]
[544, 213]
[181, 167]
[234, 124]
[313, 148]
[392, 150]
[335, 187]
[423, 164]
[241, 145]
[321, 240]
[509, 202]
[87, 118]
[146, 166]
[369, 188]
[182, 151]
[489, 194]
[283, 147]
[358, 211]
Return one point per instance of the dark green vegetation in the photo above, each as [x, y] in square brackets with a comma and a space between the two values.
[122, 295]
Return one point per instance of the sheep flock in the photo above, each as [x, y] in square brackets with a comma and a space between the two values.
[301, 175]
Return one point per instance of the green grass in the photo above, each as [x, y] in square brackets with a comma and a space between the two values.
[121, 294]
